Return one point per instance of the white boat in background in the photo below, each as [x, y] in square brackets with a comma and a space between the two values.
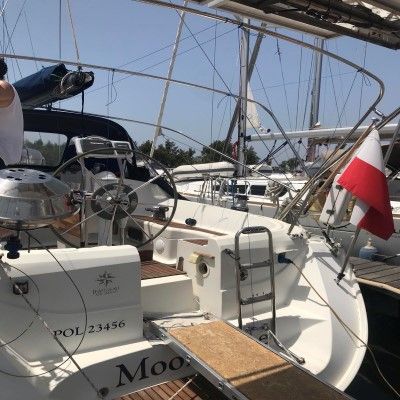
[268, 195]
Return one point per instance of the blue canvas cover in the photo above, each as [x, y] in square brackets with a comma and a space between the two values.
[43, 87]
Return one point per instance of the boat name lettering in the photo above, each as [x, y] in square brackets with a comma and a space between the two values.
[95, 328]
[144, 370]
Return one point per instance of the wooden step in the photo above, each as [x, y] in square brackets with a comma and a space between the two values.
[255, 371]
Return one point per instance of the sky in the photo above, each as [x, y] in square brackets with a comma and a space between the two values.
[139, 37]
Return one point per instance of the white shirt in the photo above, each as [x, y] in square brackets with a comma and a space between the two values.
[11, 131]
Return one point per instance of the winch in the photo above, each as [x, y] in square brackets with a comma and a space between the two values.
[32, 199]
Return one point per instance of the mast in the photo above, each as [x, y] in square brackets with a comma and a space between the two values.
[253, 58]
[244, 81]
[315, 97]
[167, 82]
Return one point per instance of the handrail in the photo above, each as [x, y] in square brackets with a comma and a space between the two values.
[230, 94]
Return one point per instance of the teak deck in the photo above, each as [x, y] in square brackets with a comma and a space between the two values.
[255, 371]
[179, 225]
[377, 274]
[198, 389]
[153, 269]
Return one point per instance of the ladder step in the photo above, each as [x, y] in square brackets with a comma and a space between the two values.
[256, 299]
[260, 264]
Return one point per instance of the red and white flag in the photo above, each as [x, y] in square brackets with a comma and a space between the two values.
[365, 178]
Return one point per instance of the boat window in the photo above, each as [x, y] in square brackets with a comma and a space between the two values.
[237, 189]
[43, 148]
[394, 190]
[258, 190]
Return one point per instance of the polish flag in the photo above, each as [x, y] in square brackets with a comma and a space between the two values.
[365, 178]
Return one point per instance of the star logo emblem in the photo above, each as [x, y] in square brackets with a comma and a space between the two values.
[105, 279]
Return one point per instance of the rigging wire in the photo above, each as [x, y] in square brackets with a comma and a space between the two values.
[362, 79]
[347, 99]
[281, 147]
[341, 112]
[263, 87]
[298, 84]
[15, 25]
[3, 18]
[340, 80]
[325, 98]
[213, 83]
[12, 48]
[167, 46]
[2, 15]
[3, 9]
[228, 102]
[279, 53]
[333, 88]
[308, 92]
[30, 40]
[112, 91]
[160, 62]
[327, 142]
[186, 51]
[59, 27]
[292, 83]
[73, 32]
[204, 52]
[214, 67]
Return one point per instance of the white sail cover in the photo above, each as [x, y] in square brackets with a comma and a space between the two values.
[252, 114]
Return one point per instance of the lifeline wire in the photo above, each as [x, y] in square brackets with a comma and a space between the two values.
[70, 355]
[44, 323]
[31, 323]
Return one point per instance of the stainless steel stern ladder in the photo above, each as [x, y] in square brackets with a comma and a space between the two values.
[241, 270]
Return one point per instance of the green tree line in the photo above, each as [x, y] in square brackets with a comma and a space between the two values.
[172, 156]
[167, 153]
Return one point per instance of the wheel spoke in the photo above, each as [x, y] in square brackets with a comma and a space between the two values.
[112, 223]
[137, 223]
[145, 184]
[85, 219]
[121, 178]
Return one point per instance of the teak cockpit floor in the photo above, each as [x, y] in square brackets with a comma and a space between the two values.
[153, 269]
[179, 225]
[255, 371]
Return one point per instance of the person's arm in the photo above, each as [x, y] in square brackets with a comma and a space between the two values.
[6, 94]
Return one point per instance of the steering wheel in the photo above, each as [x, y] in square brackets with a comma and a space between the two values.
[120, 200]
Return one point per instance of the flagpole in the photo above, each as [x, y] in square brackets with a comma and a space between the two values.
[346, 259]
